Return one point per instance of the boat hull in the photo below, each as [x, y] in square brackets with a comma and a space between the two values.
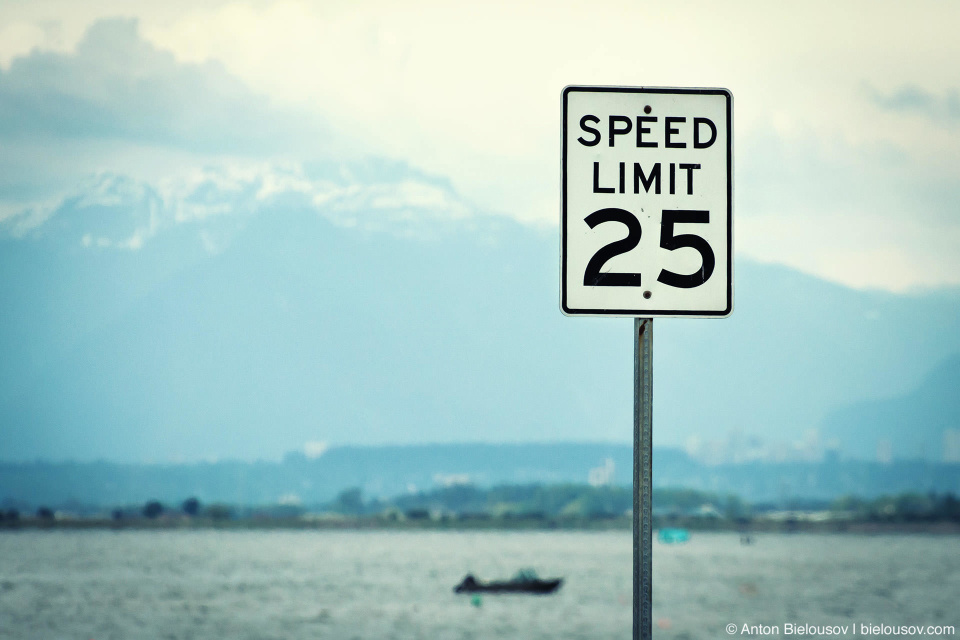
[536, 587]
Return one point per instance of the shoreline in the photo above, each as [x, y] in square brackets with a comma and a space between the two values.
[321, 523]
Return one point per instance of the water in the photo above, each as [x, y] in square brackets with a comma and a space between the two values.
[381, 585]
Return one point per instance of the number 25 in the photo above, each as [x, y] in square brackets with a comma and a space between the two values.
[593, 277]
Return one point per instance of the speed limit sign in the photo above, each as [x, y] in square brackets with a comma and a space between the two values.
[647, 202]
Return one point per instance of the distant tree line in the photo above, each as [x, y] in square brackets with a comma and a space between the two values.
[584, 501]
[906, 507]
[534, 500]
[553, 503]
[191, 508]
[150, 510]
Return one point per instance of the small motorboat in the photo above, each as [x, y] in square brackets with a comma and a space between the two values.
[526, 581]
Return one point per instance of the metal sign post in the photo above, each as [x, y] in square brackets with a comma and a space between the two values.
[642, 479]
[646, 230]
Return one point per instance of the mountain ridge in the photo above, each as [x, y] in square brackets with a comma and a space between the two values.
[249, 334]
[917, 424]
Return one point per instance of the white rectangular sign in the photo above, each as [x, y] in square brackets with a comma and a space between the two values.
[647, 202]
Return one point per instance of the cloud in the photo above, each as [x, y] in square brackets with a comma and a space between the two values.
[866, 215]
[116, 86]
[19, 38]
[117, 104]
[913, 99]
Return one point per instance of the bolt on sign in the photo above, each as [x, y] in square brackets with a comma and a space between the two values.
[647, 202]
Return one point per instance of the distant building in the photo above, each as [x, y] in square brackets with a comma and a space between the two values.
[739, 448]
[314, 450]
[603, 475]
[951, 445]
[452, 479]
[884, 451]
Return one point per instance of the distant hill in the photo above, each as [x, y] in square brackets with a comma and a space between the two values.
[390, 471]
[907, 426]
[380, 471]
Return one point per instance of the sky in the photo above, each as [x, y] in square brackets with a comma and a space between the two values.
[846, 115]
